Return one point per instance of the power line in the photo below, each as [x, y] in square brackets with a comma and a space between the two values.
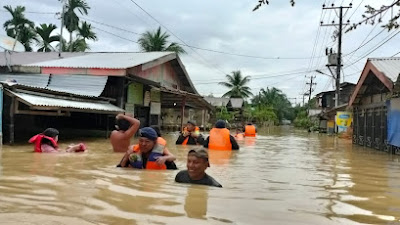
[377, 47]
[205, 49]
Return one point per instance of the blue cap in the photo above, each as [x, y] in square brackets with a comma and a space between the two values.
[149, 133]
[220, 124]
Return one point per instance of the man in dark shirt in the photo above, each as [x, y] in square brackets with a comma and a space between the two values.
[197, 163]
[190, 135]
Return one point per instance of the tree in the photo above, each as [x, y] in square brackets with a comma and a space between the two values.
[77, 45]
[276, 99]
[44, 37]
[371, 15]
[158, 42]
[19, 27]
[71, 19]
[237, 85]
[85, 31]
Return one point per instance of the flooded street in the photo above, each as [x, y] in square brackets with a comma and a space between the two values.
[284, 176]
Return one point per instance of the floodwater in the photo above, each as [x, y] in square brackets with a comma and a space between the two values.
[284, 176]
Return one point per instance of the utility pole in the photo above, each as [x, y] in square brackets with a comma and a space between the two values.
[311, 83]
[339, 54]
[62, 26]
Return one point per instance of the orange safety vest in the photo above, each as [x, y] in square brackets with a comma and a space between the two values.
[155, 153]
[196, 129]
[249, 131]
[219, 139]
[37, 140]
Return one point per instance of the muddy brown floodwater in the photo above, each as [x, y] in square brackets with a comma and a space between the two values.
[284, 176]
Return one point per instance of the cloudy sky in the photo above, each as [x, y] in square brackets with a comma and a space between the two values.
[285, 43]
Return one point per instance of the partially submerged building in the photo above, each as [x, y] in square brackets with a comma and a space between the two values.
[369, 101]
[63, 92]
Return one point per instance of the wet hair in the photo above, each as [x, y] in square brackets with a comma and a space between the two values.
[157, 129]
[123, 124]
[51, 132]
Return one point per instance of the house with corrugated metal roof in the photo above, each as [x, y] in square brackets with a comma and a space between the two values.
[233, 105]
[155, 87]
[370, 100]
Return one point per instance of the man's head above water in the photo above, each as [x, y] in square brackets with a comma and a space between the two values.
[147, 140]
[191, 126]
[122, 124]
[197, 163]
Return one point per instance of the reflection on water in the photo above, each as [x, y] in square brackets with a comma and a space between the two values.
[283, 176]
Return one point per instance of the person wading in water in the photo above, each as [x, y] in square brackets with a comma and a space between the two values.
[126, 126]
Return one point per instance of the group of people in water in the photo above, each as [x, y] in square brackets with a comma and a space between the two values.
[151, 151]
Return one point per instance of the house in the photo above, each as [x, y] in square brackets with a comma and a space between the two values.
[232, 105]
[369, 103]
[153, 86]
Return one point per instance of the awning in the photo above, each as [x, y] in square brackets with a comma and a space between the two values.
[38, 101]
[174, 98]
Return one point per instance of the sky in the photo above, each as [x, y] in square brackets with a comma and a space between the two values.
[286, 44]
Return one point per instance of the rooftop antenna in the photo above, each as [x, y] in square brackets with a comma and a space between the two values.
[9, 45]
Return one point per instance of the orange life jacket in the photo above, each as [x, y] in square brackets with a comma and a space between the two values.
[151, 161]
[196, 129]
[37, 140]
[249, 131]
[219, 139]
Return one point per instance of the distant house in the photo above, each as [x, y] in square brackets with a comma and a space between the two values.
[326, 104]
[233, 105]
[369, 103]
[155, 87]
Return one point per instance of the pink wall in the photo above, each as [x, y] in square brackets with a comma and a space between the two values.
[84, 71]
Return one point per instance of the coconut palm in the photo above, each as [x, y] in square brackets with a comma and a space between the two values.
[71, 19]
[237, 85]
[19, 27]
[44, 37]
[158, 42]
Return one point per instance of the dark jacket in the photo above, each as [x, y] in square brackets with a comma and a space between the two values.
[192, 141]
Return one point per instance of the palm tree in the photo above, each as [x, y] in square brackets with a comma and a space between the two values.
[275, 98]
[158, 42]
[237, 85]
[77, 45]
[45, 38]
[19, 27]
[71, 20]
[85, 31]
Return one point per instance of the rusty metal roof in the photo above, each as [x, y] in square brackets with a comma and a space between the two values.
[63, 103]
[109, 60]
[390, 67]
[21, 58]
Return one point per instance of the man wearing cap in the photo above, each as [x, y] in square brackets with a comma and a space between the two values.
[148, 154]
[197, 163]
[126, 126]
[190, 135]
[220, 138]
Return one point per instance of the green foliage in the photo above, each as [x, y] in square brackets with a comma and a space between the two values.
[19, 27]
[158, 42]
[237, 85]
[223, 114]
[277, 100]
[44, 37]
[262, 2]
